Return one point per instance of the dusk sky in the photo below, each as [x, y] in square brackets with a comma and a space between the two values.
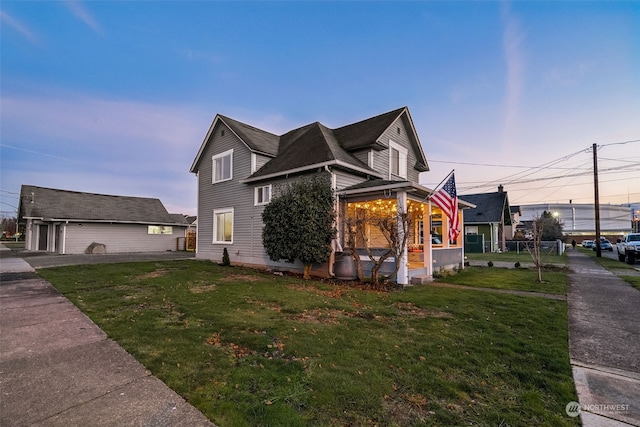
[115, 97]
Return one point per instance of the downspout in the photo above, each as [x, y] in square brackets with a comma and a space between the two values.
[337, 244]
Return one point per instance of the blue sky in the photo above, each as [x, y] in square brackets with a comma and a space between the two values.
[116, 97]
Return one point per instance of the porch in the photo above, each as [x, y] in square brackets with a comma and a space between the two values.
[424, 251]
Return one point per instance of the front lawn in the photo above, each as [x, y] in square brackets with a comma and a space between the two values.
[513, 257]
[251, 349]
[521, 279]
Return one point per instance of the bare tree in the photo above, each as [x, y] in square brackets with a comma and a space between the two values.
[394, 226]
[534, 246]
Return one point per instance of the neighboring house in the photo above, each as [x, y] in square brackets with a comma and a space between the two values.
[372, 163]
[485, 226]
[70, 222]
[578, 219]
[510, 230]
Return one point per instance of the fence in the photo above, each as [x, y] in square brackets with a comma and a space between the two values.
[556, 246]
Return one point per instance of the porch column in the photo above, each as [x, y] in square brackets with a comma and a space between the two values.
[445, 231]
[461, 237]
[402, 276]
[428, 245]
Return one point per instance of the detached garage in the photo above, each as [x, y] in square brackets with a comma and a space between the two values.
[70, 222]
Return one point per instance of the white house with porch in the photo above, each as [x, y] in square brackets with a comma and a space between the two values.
[373, 164]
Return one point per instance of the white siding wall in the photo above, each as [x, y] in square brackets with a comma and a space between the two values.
[261, 160]
[118, 238]
[247, 230]
[381, 158]
[345, 179]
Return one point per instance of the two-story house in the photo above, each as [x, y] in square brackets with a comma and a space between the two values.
[373, 163]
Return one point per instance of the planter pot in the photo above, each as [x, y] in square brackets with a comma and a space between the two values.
[345, 267]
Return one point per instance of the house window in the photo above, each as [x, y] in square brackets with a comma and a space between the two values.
[160, 229]
[223, 166]
[262, 195]
[471, 229]
[397, 160]
[223, 225]
[436, 231]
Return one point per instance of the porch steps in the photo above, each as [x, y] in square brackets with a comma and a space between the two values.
[421, 279]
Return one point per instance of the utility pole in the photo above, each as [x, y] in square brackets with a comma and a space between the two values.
[597, 199]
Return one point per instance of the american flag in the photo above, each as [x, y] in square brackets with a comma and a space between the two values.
[447, 200]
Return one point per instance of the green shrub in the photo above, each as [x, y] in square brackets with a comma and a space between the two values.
[225, 258]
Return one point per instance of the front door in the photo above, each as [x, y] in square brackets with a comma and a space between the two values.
[43, 237]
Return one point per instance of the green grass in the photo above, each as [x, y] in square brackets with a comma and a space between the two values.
[521, 279]
[252, 349]
[514, 257]
[11, 244]
[634, 280]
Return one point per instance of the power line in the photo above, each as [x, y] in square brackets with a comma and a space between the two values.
[490, 165]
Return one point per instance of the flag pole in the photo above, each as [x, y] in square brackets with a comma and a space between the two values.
[438, 186]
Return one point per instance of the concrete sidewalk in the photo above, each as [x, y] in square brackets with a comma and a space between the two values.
[58, 368]
[604, 343]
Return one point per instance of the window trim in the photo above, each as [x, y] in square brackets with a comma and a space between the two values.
[217, 212]
[403, 154]
[256, 192]
[213, 166]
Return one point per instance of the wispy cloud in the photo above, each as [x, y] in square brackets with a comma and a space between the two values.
[569, 75]
[512, 40]
[79, 10]
[39, 153]
[18, 26]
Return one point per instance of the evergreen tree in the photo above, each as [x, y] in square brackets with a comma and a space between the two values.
[298, 222]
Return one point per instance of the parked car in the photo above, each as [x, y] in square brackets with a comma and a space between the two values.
[605, 245]
[587, 243]
[629, 248]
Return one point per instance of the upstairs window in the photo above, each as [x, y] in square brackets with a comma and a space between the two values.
[262, 195]
[397, 160]
[223, 166]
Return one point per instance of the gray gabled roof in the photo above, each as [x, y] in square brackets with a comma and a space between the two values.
[315, 145]
[52, 204]
[309, 146]
[256, 139]
[365, 133]
[490, 208]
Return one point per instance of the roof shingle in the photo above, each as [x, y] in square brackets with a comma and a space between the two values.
[50, 203]
[489, 207]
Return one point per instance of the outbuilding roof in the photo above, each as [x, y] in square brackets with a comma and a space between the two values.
[490, 208]
[52, 204]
